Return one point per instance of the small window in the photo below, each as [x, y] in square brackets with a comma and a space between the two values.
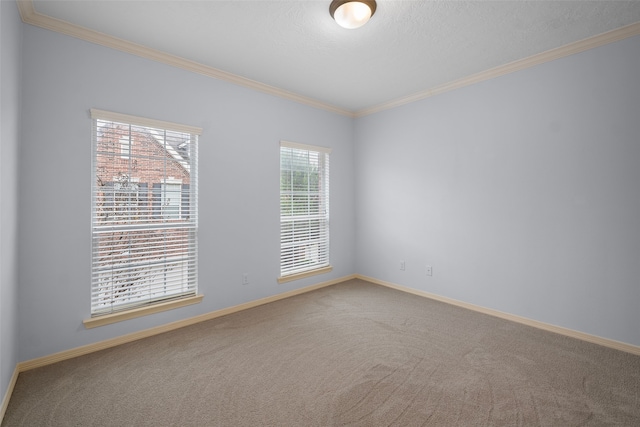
[125, 146]
[141, 256]
[171, 199]
[304, 208]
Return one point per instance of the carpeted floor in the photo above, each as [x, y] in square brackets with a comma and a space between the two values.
[352, 354]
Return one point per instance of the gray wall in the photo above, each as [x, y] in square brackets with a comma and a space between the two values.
[10, 57]
[522, 192]
[239, 183]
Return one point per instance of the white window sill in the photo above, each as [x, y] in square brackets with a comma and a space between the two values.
[297, 276]
[108, 319]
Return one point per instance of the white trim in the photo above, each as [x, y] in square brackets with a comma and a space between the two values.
[307, 147]
[91, 348]
[112, 342]
[7, 395]
[143, 121]
[171, 180]
[108, 319]
[521, 64]
[30, 16]
[177, 157]
[594, 339]
[305, 274]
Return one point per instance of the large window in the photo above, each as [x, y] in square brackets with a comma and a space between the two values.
[144, 212]
[304, 209]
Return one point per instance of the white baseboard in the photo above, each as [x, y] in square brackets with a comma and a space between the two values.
[7, 395]
[90, 348]
[101, 345]
[112, 342]
[629, 348]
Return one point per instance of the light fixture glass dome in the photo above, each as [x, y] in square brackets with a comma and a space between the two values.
[352, 14]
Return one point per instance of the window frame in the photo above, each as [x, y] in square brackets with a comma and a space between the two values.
[183, 287]
[316, 249]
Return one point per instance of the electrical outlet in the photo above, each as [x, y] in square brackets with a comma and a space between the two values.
[429, 270]
[402, 265]
[245, 278]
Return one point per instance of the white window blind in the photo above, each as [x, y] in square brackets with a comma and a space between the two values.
[304, 208]
[144, 231]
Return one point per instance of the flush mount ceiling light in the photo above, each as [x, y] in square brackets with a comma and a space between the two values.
[352, 13]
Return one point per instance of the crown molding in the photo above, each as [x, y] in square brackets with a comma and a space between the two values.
[30, 16]
[521, 64]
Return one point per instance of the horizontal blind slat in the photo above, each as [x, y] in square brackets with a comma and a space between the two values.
[304, 207]
[144, 211]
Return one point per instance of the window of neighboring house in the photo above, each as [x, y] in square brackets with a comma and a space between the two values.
[171, 197]
[304, 210]
[140, 258]
[125, 146]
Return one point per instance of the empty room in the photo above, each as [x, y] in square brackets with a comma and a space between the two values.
[319, 213]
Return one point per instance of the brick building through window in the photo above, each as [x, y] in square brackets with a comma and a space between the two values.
[144, 233]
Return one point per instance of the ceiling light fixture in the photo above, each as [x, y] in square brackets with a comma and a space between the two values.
[352, 13]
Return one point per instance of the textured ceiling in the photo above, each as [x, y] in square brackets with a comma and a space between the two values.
[408, 46]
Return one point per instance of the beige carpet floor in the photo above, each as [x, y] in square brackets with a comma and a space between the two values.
[353, 354]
